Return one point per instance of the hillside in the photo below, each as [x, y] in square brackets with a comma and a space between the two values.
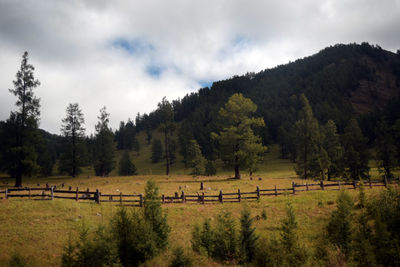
[340, 81]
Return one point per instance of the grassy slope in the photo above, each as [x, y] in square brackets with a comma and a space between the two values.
[40, 229]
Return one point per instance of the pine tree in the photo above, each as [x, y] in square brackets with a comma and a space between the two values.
[239, 147]
[126, 167]
[248, 237]
[312, 158]
[339, 226]
[154, 214]
[22, 155]
[356, 155]
[194, 158]
[156, 151]
[334, 150]
[104, 147]
[73, 131]
[386, 150]
[167, 127]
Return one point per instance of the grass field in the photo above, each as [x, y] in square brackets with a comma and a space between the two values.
[39, 230]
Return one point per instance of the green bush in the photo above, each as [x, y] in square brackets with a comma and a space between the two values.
[247, 237]
[180, 259]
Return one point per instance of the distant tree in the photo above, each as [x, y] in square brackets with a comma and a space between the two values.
[104, 146]
[194, 158]
[210, 168]
[239, 147]
[74, 132]
[156, 151]
[386, 150]
[312, 158]
[22, 155]
[334, 150]
[167, 127]
[126, 167]
[184, 137]
[356, 155]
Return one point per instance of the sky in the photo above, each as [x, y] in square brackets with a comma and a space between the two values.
[128, 55]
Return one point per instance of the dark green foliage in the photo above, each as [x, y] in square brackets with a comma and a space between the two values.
[72, 128]
[356, 154]
[17, 260]
[339, 226]
[386, 150]
[135, 240]
[264, 214]
[180, 259]
[21, 156]
[247, 237]
[239, 147]
[312, 158]
[210, 168]
[203, 238]
[154, 214]
[126, 167]
[194, 158]
[92, 249]
[104, 146]
[167, 127]
[156, 151]
[268, 253]
[225, 238]
[294, 253]
[125, 136]
[334, 150]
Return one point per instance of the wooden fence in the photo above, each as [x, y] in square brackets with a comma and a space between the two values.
[50, 193]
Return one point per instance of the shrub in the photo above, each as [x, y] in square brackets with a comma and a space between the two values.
[339, 226]
[247, 236]
[126, 167]
[210, 168]
[180, 259]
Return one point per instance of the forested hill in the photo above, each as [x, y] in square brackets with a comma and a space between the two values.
[340, 81]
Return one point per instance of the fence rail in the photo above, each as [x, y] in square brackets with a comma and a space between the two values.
[50, 193]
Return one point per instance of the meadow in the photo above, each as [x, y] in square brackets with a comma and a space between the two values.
[39, 230]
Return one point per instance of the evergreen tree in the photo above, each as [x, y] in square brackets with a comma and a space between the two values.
[22, 156]
[194, 158]
[154, 214]
[239, 147]
[294, 253]
[339, 226]
[104, 146]
[248, 237]
[126, 167]
[334, 150]
[210, 168]
[312, 158]
[356, 155]
[156, 151]
[167, 127]
[386, 150]
[73, 131]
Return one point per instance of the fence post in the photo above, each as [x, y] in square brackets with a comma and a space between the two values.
[97, 196]
[322, 185]
[120, 198]
[258, 192]
[339, 185]
[51, 191]
[306, 186]
[163, 198]
[276, 191]
[29, 193]
[370, 183]
[294, 188]
[183, 197]
[141, 200]
[77, 194]
[221, 197]
[6, 194]
[239, 196]
[354, 184]
[202, 198]
[201, 186]
[385, 181]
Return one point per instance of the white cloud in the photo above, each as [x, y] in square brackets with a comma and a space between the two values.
[175, 46]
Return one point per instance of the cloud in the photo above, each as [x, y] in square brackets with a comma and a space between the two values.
[127, 55]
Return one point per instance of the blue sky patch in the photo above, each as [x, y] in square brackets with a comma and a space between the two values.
[135, 46]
